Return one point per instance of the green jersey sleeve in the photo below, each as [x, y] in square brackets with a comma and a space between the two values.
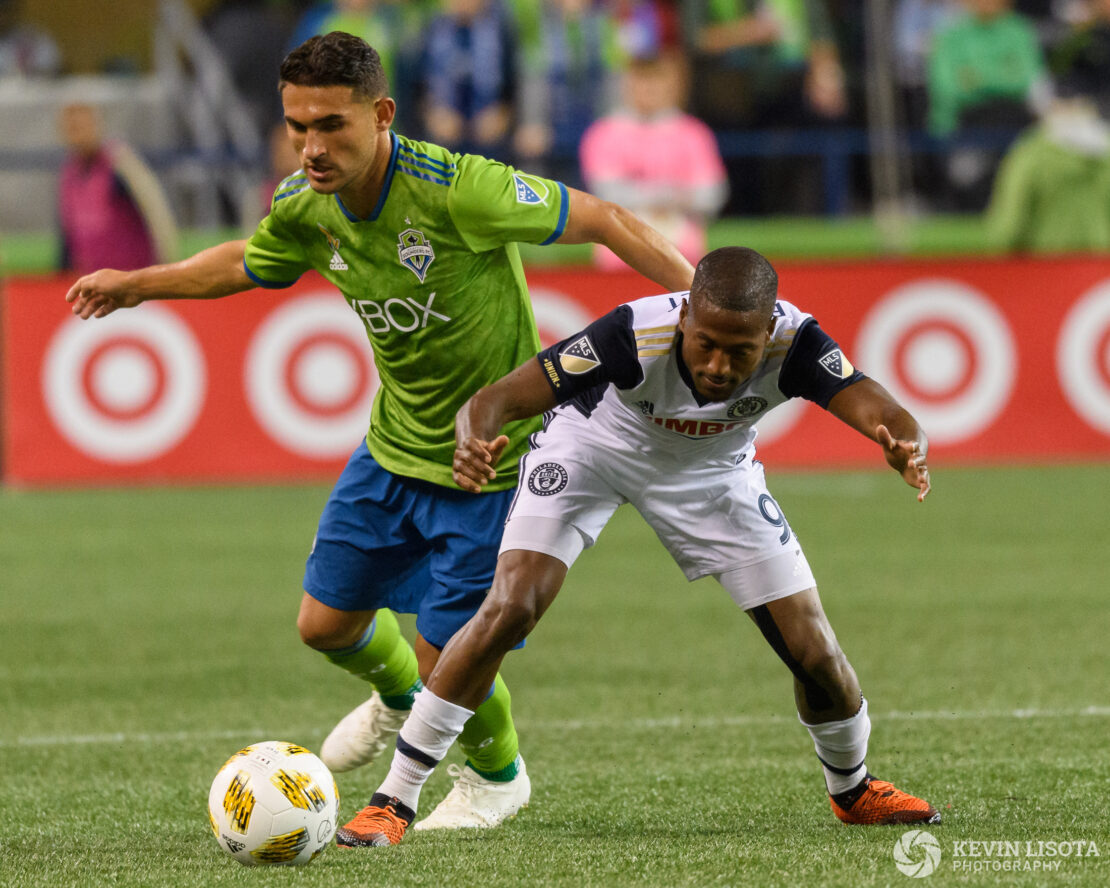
[274, 257]
[492, 204]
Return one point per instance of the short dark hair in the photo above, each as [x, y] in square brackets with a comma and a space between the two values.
[336, 59]
[736, 279]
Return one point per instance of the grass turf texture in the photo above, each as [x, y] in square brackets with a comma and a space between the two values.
[147, 634]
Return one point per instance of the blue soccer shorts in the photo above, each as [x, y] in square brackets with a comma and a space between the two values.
[414, 547]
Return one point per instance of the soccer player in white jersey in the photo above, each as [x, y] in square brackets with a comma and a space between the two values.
[654, 404]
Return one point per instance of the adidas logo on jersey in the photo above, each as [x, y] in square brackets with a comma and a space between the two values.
[337, 263]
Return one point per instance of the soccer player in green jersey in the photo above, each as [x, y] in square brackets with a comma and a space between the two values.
[422, 244]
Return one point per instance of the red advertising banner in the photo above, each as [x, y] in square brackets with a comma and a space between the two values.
[999, 361]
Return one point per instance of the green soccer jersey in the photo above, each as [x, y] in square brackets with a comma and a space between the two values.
[435, 275]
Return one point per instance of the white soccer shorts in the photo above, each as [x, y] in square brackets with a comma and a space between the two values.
[715, 517]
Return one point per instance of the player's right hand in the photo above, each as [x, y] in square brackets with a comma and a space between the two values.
[908, 458]
[100, 293]
[473, 467]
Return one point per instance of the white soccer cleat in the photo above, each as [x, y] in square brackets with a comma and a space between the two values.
[362, 735]
[477, 803]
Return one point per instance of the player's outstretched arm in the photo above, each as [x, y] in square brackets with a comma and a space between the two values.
[522, 393]
[871, 410]
[596, 221]
[210, 274]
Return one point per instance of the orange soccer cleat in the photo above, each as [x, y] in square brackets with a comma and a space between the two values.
[382, 822]
[879, 802]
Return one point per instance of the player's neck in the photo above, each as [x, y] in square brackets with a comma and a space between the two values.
[362, 195]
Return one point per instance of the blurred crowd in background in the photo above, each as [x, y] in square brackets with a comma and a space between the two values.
[673, 107]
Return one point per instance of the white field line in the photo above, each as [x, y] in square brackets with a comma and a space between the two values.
[668, 723]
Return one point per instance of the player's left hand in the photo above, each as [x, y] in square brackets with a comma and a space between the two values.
[907, 458]
[473, 467]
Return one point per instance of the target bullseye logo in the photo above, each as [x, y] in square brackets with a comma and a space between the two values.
[310, 377]
[1083, 357]
[123, 379]
[326, 375]
[945, 352]
[936, 360]
[127, 388]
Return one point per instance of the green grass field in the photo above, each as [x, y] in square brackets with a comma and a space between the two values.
[146, 634]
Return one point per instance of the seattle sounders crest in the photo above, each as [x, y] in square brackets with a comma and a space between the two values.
[415, 252]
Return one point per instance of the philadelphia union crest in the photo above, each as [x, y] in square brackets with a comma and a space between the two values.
[547, 479]
[746, 407]
[415, 252]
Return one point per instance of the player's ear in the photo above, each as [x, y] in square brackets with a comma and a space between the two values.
[385, 109]
[682, 312]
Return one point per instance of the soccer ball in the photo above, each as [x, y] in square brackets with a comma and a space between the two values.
[274, 803]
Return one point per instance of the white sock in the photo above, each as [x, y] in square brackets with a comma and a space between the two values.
[841, 747]
[423, 741]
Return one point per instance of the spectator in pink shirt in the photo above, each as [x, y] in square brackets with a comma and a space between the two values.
[111, 208]
[656, 160]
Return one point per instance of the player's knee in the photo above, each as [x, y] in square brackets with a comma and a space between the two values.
[506, 621]
[327, 634]
[512, 610]
[316, 637]
[525, 585]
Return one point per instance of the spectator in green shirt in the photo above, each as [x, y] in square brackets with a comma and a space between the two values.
[987, 59]
[766, 64]
[785, 51]
[1052, 192]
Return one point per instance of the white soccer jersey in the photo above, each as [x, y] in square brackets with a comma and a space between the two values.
[630, 428]
[625, 373]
